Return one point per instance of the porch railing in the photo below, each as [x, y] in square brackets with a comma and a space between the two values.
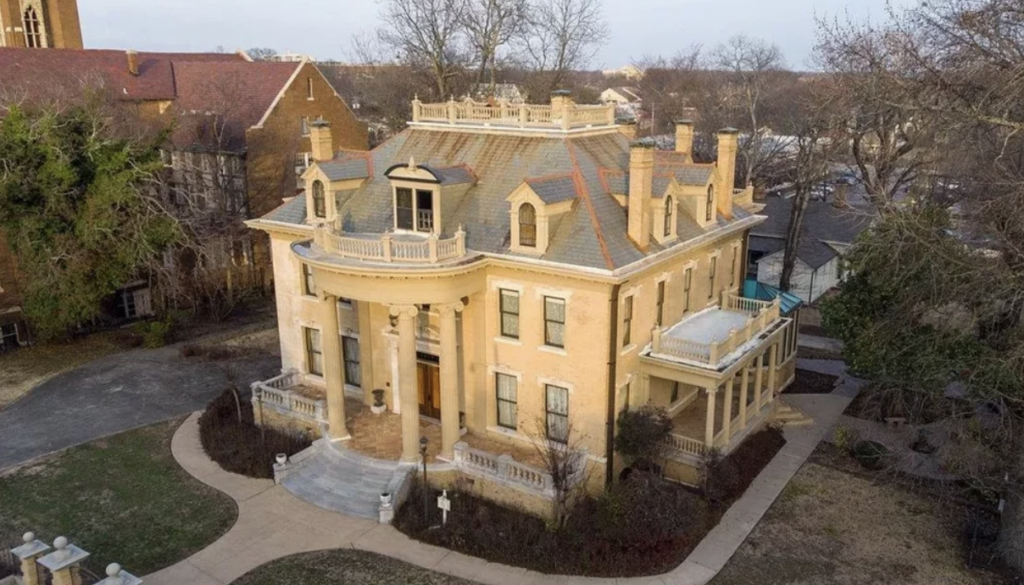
[387, 248]
[503, 469]
[276, 394]
[735, 302]
[686, 445]
[759, 317]
[565, 114]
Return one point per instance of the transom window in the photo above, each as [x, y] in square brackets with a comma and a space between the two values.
[509, 309]
[712, 268]
[554, 322]
[687, 283]
[668, 216]
[33, 29]
[314, 353]
[557, 413]
[414, 211]
[350, 353]
[627, 321]
[319, 201]
[661, 304]
[710, 211]
[507, 389]
[527, 226]
[309, 284]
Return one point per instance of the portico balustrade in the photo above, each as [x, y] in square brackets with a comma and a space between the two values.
[390, 247]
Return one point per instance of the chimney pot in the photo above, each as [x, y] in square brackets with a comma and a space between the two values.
[133, 62]
[684, 137]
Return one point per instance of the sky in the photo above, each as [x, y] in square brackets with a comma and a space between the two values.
[325, 28]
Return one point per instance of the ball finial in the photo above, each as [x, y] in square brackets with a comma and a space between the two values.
[60, 543]
[28, 537]
[113, 570]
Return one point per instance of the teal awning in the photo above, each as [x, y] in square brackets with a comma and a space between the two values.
[760, 291]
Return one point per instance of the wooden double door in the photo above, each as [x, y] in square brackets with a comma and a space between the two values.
[428, 378]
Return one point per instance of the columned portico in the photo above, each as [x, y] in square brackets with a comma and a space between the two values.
[449, 378]
[334, 373]
[709, 429]
[406, 315]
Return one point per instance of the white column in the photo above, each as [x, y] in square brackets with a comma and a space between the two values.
[709, 423]
[407, 383]
[449, 378]
[757, 384]
[396, 395]
[727, 409]
[334, 373]
[744, 382]
[773, 357]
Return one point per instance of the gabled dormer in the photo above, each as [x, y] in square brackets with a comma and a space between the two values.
[534, 206]
[329, 174]
[421, 194]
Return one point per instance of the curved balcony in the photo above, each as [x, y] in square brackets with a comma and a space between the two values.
[392, 248]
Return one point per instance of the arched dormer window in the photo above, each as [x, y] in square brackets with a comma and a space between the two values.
[669, 218]
[711, 203]
[319, 202]
[33, 29]
[527, 226]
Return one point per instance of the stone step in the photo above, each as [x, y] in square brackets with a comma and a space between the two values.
[341, 481]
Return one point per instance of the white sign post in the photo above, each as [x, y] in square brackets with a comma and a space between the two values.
[446, 506]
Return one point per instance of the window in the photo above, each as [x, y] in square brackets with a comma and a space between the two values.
[308, 283]
[675, 393]
[424, 211]
[33, 29]
[314, 355]
[554, 322]
[403, 205]
[309, 88]
[509, 308]
[710, 211]
[507, 388]
[319, 201]
[627, 321]
[661, 304]
[8, 336]
[732, 271]
[557, 409]
[304, 121]
[687, 282]
[668, 216]
[712, 267]
[527, 226]
[128, 308]
[350, 354]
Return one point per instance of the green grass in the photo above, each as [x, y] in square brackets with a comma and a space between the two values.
[348, 566]
[123, 499]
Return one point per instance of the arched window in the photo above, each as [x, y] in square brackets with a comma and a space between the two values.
[711, 203]
[527, 226]
[319, 203]
[669, 218]
[33, 29]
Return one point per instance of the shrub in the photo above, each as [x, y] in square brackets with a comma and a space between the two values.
[845, 437]
[647, 512]
[871, 454]
[642, 432]
[243, 448]
[719, 476]
[154, 333]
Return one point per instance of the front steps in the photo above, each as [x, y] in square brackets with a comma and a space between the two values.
[339, 480]
[790, 416]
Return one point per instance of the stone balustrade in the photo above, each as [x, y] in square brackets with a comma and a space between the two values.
[565, 115]
[276, 394]
[391, 248]
[63, 562]
[685, 445]
[503, 469]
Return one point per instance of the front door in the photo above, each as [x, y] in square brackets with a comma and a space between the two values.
[428, 378]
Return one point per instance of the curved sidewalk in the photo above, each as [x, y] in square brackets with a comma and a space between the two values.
[273, 524]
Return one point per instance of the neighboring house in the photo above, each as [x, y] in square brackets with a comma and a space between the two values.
[502, 273]
[509, 92]
[621, 95]
[630, 72]
[40, 24]
[828, 231]
[240, 139]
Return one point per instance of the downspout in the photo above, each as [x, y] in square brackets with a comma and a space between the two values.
[810, 290]
[613, 358]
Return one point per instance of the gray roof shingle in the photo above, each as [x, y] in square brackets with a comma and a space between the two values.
[823, 222]
[292, 211]
[554, 189]
[348, 167]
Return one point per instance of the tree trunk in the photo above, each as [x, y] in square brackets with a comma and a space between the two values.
[793, 232]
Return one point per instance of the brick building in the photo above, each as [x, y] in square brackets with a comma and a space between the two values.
[40, 24]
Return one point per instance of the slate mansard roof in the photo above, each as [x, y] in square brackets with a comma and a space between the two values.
[480, 170]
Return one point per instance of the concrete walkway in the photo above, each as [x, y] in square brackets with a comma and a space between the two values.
[818, 342]
[272, 523]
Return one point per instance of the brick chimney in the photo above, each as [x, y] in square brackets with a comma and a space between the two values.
[320, 137]
[728, 145]
[133, 62]
[641, 179]
[684, 137]
[627, 128]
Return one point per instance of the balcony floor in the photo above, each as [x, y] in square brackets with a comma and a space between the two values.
[708, 326]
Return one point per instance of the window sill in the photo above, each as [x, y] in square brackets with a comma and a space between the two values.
[552, 349]
[509, 341]
[628, 349]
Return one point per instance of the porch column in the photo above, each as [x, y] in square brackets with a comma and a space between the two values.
[449, 378]
[709, 423]
[773, 355]
[757, 383]
[744, 381]
[407, 380]
[727, 409]
[334, 373]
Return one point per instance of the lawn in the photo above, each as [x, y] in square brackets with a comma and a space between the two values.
[348, 566]
[123, 499]
[834, 527]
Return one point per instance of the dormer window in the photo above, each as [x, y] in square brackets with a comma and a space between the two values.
[414, 209]
[669, 217]
[319, 200]
[710, 212]
[527, 226]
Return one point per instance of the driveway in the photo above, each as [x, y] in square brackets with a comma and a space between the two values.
[114, 394]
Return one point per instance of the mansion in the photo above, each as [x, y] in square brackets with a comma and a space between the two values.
[499, 275]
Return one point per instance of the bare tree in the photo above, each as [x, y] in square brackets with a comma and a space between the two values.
[427, 33]
[566, 462]
[490, 25]
[262, 53]
[563, 36]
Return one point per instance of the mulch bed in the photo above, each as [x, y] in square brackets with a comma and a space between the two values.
[808, 382]
[813, 353]
[643, 526]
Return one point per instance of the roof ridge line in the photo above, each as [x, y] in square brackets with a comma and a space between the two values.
[582, 188]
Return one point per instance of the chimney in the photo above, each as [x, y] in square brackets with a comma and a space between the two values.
[684, 137]
[641, 178]
[839, 199]
[628, 129]
[561, 99]
[728, 144]
[133, 62]
[320, 137]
